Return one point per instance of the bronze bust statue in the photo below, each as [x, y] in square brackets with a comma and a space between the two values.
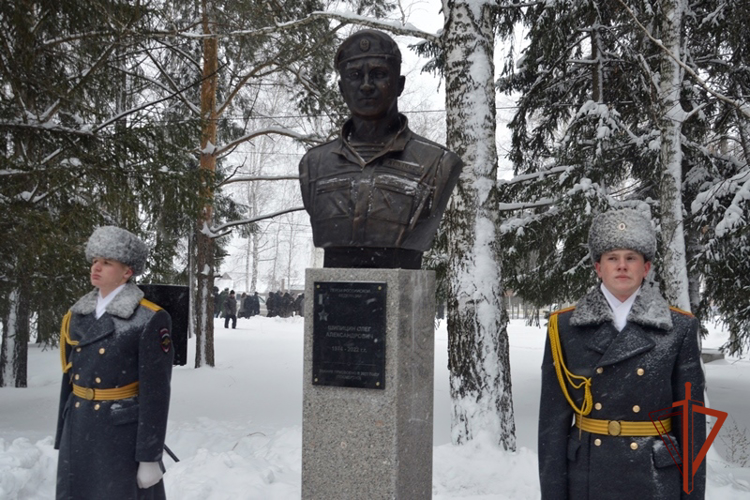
[376, 194]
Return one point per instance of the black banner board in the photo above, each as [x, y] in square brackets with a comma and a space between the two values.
[349, 334]
[175, 299]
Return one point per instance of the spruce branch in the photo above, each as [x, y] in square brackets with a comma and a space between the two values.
[741, 107]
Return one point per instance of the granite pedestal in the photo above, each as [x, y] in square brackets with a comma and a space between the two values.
[372, 442]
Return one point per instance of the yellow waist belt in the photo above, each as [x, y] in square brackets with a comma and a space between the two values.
[126, 391]
[621, 427]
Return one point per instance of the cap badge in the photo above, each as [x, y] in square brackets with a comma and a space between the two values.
[364, 45]
[621, 226]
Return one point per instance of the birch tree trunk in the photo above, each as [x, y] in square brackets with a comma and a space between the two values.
[15, 342]
[204, 268]
[255, 239]
[477, 335]
[671, 116]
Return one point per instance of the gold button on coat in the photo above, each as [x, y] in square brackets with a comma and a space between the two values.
[78, 403]
[96, 407]
[597, 442]
[636, 408]
[600, 370]
[598, 406]
[633, 446]
[98, 380]
[101, 350]
[77, 376]
[78, 349]
[640, 372]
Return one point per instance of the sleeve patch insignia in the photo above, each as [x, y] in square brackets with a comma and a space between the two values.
[166, 340]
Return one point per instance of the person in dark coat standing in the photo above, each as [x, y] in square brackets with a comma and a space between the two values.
[254, 304]
[222, 299]
[247, 305]
[116, 353]
[242, 305]
[217, 302]
[616, 356]
[287, 303]
[299, 304]
[230, 310]
[271, 304]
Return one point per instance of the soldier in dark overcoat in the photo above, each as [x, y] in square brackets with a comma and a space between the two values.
[117, 363]
[616, 356]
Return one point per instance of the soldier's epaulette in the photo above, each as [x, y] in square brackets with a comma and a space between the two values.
[562, 310]
[150, 305]
[681, 311]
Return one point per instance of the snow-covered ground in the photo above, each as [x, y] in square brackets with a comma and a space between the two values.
[237, 427]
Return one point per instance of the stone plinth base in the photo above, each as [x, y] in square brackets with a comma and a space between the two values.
[371, 443]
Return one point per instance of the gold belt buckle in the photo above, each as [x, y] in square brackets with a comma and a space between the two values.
[89, 393]
[614, 428]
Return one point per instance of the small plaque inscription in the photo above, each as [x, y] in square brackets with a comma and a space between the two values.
[349, 334]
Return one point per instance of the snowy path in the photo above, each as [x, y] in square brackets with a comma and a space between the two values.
[237, 427]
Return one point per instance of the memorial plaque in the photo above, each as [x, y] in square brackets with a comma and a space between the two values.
[349, 334]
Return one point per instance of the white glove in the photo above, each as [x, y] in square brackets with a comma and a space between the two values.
[149, 473]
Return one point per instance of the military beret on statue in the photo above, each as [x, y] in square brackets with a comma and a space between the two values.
[622, 229]
[113, 243]
[367, 43]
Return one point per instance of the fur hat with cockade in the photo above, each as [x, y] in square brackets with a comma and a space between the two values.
[621, 229]
[111, 242]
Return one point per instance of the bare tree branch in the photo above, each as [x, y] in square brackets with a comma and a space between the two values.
[261, 178]
[264, 131]
[222, 230]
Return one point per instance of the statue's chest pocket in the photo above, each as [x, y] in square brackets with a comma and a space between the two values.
[395, 198]
[333, 198]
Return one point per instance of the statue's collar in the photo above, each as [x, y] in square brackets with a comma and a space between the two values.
[396, 143]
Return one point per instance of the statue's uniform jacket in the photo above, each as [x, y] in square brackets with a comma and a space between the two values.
[101, 442]
[393, 200]
[640, 369]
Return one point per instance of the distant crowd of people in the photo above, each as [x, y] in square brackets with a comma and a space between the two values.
[285, 304]
[278, 304]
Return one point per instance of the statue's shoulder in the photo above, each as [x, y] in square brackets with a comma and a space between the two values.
[427, 148]
[324, 148]
[424, 142]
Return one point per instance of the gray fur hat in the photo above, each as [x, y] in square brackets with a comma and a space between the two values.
[622, 229]
[111, 242]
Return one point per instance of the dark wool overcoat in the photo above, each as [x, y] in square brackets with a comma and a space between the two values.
[640, 369]
[102, 442]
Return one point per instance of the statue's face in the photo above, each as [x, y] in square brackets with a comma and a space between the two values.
[371, 87]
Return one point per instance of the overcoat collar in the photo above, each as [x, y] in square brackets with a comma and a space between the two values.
[123, 306]
[650, 311]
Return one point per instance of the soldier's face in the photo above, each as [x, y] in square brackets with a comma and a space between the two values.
[622, 272]
[108, 274]
[371, 86]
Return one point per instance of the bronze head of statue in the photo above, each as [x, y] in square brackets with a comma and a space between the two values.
[376, 194]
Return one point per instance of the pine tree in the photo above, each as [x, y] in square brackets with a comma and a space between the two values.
[75, 156]
[720, 186]
[619, 104]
